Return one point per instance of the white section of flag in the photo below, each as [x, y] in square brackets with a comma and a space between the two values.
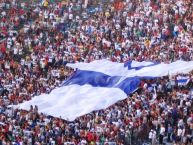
[118, 69]
[70, 102]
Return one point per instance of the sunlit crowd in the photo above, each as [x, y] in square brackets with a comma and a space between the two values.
[38, 39]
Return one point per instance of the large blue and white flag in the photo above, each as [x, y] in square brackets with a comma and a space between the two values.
[98, 85]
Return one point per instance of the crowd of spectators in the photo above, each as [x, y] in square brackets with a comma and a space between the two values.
[39, 39]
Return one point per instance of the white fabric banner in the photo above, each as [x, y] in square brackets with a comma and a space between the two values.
[74, 100]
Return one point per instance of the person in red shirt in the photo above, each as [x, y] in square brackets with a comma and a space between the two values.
[3, 48]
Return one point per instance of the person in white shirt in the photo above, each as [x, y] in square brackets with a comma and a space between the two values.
[152, 136]
[70, 16]
[83, 142]
[162, 133]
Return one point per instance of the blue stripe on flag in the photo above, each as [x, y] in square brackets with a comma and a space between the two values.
[97, 79]
[182, 81]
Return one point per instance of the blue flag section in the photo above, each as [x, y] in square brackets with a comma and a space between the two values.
[97, 79]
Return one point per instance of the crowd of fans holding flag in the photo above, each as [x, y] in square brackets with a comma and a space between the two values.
[39, 39]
